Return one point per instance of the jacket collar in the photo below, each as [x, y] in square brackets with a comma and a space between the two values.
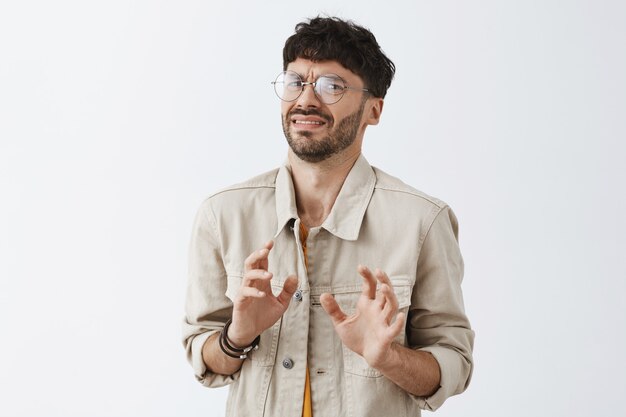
[346, 216]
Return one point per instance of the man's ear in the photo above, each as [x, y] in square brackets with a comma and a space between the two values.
[375, 110]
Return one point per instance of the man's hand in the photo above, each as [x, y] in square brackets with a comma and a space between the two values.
[370, 331]
[255, 307]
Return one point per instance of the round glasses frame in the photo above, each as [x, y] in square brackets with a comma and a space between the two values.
[328, 88]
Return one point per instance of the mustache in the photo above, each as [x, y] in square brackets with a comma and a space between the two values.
[311, 112]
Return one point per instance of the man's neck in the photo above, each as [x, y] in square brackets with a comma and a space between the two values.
[318, 184]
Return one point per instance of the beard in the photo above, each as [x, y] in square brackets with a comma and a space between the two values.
[339, 138]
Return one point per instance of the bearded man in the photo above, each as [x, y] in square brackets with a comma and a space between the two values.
[327, 287]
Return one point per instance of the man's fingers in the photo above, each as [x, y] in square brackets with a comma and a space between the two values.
[380, 297]
[387, 305]
[391, 301]
[369, 283]
[250, 292]
[382, 276]
[289, 288]
[253, 277]
[329, 304]
[255, 257]
[397, 325]
[258, 256]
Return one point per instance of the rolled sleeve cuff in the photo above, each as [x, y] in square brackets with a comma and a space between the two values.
[203, 375]
[455, 374]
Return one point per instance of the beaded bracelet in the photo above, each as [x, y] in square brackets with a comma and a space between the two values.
[230, 349]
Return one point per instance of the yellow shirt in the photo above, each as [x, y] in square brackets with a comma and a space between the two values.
[307, 408]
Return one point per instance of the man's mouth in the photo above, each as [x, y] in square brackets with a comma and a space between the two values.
[308, 122]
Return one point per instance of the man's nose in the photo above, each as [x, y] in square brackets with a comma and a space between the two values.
[308, 98]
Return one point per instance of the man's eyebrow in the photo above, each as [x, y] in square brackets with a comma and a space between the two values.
[302, 76]
[326, 74]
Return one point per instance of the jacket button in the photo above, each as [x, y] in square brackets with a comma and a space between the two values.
[287, 363]
[298, 295]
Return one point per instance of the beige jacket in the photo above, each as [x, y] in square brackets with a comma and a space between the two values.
[377, 221]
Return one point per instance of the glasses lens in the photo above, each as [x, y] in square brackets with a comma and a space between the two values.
[288, 86]
[330, 88]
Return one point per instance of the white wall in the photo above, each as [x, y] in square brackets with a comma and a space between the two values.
[117, 118]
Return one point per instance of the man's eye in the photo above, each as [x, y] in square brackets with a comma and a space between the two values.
[333, 88]
[294, 84]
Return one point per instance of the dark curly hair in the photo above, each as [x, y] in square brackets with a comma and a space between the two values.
[353, 46]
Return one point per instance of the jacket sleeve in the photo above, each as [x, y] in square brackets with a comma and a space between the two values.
[436, 320]
[207, 307]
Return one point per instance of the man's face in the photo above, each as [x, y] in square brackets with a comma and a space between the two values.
[314, 130]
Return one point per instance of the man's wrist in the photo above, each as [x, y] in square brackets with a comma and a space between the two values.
[231, 348]
[236, 340]
[387, 359]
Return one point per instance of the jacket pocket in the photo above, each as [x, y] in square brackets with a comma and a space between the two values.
[347, 299]
[265, 354]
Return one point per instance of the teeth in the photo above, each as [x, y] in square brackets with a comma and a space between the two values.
[307, 122]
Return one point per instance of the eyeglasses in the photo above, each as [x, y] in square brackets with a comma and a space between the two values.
[329, 88]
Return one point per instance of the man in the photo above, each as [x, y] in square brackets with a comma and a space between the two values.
[327, 287]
